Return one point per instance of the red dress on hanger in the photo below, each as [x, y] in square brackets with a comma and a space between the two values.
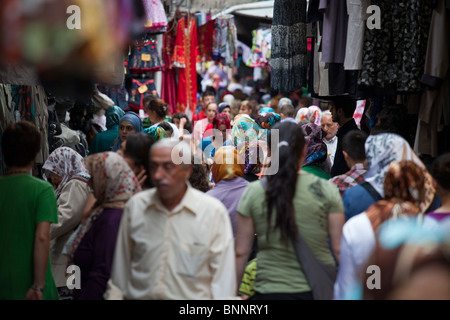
[185, 57]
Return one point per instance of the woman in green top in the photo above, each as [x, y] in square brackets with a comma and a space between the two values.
[294, 202]
[27, 208]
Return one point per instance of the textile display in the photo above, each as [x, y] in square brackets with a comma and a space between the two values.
[289, 45]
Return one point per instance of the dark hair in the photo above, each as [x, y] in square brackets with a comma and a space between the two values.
[188, 125]
[305, 101]
[21, 143]
[209, 91]
[148, 98]
[287, 110]
[281, 187]
[199, 177]
[440, 170]
[166, 126]
[138, 148]
[347, 104]
[353, 143]
[392, 119]
[159, 106]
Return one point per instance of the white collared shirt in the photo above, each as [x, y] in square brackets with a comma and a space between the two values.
[331, 148]
[183, 254]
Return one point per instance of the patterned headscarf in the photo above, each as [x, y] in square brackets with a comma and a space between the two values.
[267, 120]
[157, 133]
[254, 154]
[66, 163]
[384, 148]
[113, 183]
[404, 188]
[226, 164]
[113, 116]
[317, 151]
[245, 128]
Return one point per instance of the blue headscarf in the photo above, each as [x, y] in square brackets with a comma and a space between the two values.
[134, 119]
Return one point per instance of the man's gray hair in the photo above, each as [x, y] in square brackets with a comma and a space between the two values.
[327, 113]
[181, 151]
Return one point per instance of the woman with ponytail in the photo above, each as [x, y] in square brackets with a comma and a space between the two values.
[289, 202]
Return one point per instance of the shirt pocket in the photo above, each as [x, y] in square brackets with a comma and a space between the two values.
[191, 257]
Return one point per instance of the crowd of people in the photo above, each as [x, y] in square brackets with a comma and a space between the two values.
[211, 206]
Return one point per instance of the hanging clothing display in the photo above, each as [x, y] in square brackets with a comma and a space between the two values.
[169, 74]
[335, 23]
[139, 89]
[434, 110]
[289, 45]
[29, 103]
[205, 38]
[357, 17]
[156, 20]
[394, 55]
[145, 58]
[225, 40]
[261, 43]
[185, 57]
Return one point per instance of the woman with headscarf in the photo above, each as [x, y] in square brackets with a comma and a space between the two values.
[103, 141]
[221, 127]
[129, 123]
[316, 161]
[65, 170]
[404, 196]
[228, 175]
[277, 209]
[113, 183]
[381, 150]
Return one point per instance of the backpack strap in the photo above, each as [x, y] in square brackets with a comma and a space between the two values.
[374, 193]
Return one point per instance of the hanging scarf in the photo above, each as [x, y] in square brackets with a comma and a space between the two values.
[113, 183]
[66, 163]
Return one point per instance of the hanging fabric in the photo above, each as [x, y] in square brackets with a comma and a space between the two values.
[185, 57]
[289, 45]
[261, 43]
[156, 20]
[139, 89]
[394, 55]
[169, 75]
[225, 40]
[145, 58]
[205, 40]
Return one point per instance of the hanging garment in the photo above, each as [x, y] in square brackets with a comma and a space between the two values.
[145, 58]
[357, 17]
[334, 36]
[205, 40]
[261, 42]
[289, 45]
[139, 89]
[185, 57]
[225, 40]
[169, 74]
[156, 20]
[118, 95]
[434, 110]
[395, 54]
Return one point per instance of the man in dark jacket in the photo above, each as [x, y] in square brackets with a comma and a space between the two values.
[343, 108]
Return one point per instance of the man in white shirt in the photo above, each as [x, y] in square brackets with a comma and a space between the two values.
[330, 128]
[174, 242]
